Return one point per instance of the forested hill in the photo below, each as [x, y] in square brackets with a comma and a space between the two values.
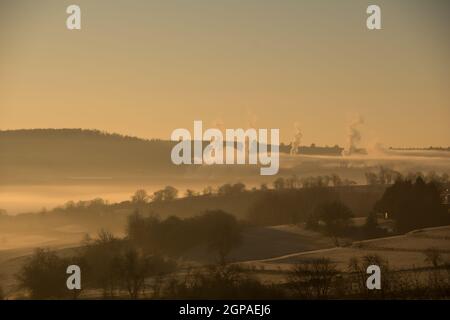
[39, 155]
[62, 153]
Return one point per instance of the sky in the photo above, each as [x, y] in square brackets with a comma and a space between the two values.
[145, 68]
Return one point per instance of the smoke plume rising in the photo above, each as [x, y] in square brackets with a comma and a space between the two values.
[295, 143]
[354, 137]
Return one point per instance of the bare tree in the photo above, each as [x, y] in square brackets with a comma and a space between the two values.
[132, 269]
[140, 197]
[223, 233]
[44, 275]
[167, 194]
[314, 278]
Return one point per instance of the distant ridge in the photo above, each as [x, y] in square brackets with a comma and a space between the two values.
[30, 154]
[421, 149]
[43, 132]
[40, 155]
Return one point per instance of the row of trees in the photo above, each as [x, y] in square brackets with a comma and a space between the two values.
[411, 204]
[114, 265]
[321, 279]
[108, 264]
[217, 230]
[318, 278]
[44, 277]
[414, 204]
[170, 193]
[387, 176]
[335, 220]
[281, 183]
[290, 206]
[295, 182]
[333, 217]
[384, 176]
[141, 196]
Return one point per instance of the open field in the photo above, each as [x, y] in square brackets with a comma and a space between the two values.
[269, 242]
[402, 252]
[268, 253]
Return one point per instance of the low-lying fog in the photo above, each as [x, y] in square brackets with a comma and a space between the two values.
[16, 198]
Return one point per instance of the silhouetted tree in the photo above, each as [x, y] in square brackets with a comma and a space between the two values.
[230, 189]
[100, 255]
[371, 226]
[279, 184]
[190, 193]
[221, 282]
[217, 230]
[336, 216]
[132, 268]
[137, 230]
[313, 279]
[167, 194]
[413, 205]
[207, 191]
[140, 197]
[289, 206]
[44, 275]
[223, 233]
[292, 182]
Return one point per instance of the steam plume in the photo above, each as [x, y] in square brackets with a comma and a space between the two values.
[354, 137]
[295, 144]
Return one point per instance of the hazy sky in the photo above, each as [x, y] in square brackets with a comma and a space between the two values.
[147, 67]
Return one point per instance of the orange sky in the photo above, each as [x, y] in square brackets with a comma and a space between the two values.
[145, 68]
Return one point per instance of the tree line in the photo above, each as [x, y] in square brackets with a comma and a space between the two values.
[43, 276]
[131, 264]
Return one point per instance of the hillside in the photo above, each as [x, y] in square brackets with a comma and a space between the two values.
[39, 154]
[52, 155]
[402, 251]
[359, 198]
